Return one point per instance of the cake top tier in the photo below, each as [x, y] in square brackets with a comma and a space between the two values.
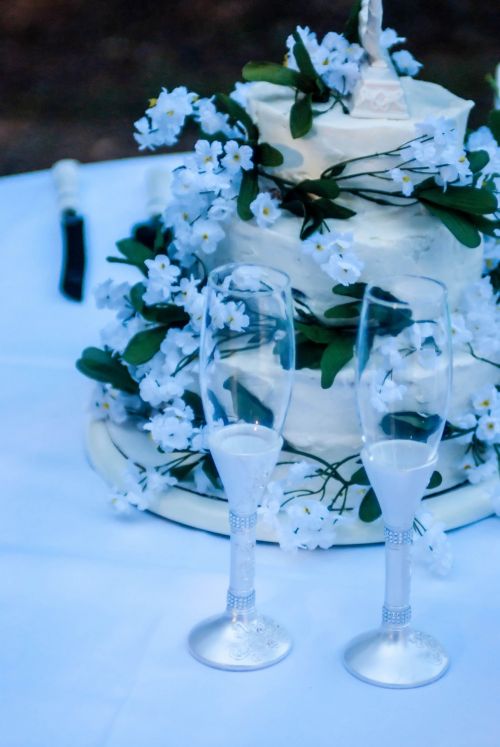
[336, 136]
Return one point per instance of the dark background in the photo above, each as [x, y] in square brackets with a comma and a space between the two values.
[77, 73]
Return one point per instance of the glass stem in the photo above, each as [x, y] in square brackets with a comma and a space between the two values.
[241, 593]
[396, 612]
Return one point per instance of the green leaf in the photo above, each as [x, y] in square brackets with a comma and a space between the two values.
[267, 155]
[102, 365]
[167, 314]
[301, 116]
[489, 227]
[246, 405]
[334, 210]
[249, 190]
[307, 353]
[369, 509]
[458, 224]
[302, 58]
[359, 477]
[335, 170]
[209, 468]
[227, 105]
[321, 187]
[356, 290]
[344, 311]
[193, 401]
[407, 424]
[135, 252]
[270, 72]
[477, 160]
[334, 358]
[136, 293]
[144, 345]
[494, 124]
[351, 30]
[316, 333]
[435, 481]
[495, 278]
[181, 472]
[464, 199]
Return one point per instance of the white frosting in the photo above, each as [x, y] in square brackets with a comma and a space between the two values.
[335, 136]
[387, 239]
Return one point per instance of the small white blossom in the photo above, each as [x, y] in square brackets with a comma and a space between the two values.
[162, 275]
[403, 181]
[108, 403]
[389, 38]
[207, 154]
[158, 391]
[265, 209]
[237, 157]
[344, 269]
[172, 429]
[387, 393]
[405, 63]
[206, 235]
[476, 473]
[485, 399]
[488, 428]
[433, 547]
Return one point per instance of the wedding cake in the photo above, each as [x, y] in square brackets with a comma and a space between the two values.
[341, 170]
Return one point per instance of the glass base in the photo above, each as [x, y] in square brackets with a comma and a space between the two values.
[396, 658]
[239, 642]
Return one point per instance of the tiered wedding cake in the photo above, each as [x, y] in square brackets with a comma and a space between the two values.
[339, 172]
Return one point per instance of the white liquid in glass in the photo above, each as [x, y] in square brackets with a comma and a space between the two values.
[245, 456]
[399, 471]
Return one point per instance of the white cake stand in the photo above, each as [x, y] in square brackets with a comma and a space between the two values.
[462, 506]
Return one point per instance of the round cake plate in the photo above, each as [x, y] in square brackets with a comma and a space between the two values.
[184, 507]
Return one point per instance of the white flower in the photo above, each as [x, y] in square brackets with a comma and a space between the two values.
[488, 428]
[188, 291]
[389, 38]
[485, 399]
[468, 422]
[206, 235]
[211, 120]
[483, 139]
[433, 547]
[157, 391]
[108, 403]
[403, 180]
[207, 154]
[271, 503]
[111, 295]
[476, 473]
[405, 63]
[321, 246]
[169, 113]
[386, 394]
[237, 157]
[172, 429]
[459, 332]
[308, 524]
[119, 502]
[265, 209]
[221, 209]
[228, 314]
[117, 335]
[186, 182]
[298, 472]
[344, 269]
[246, 278]
[389, 348]
[162, 276]
[145, 137]
[491, 254]
[456, 168]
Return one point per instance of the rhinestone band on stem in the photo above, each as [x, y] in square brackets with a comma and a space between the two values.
[237, 522]
[398, 537]
[396, 616]
[239, 603]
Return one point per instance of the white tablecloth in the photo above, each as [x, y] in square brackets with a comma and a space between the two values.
[94, 608]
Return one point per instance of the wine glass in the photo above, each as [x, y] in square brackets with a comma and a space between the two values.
[247, 356]
[403, 382]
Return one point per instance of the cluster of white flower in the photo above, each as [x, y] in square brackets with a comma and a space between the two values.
[333, 252]
[476, 320]
[481, 424]
[338, 62]
[142, 488]
[299, 522]
[431, 546]
[166, 116]
[438, 152]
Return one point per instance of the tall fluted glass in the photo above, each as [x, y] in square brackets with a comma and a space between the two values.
[403, 386]
[247, 360]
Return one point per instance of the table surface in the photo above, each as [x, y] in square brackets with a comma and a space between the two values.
[95, 608]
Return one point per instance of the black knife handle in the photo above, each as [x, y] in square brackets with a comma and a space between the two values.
[73, 268]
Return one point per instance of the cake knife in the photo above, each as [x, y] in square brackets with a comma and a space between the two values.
[65, 174]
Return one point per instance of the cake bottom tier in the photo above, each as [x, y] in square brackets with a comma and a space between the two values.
[108, 443]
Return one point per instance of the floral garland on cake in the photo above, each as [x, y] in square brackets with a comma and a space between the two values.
[147, 365]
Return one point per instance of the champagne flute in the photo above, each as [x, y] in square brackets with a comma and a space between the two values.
[247, 357]
[403, 386]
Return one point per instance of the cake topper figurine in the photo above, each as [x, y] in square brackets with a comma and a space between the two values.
[379, 92]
